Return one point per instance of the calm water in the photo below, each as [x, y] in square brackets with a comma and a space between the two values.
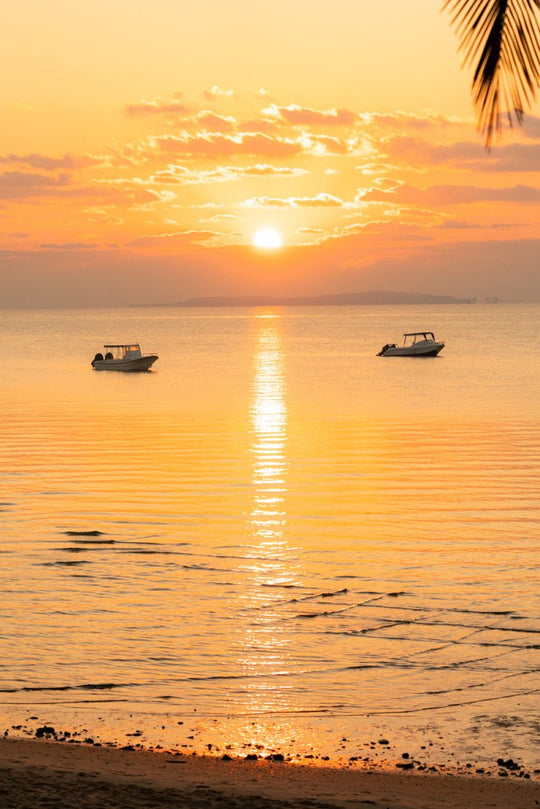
[302, 546]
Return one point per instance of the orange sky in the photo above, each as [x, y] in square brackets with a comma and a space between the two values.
[144, 144]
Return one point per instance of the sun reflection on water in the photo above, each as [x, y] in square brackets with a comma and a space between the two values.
[269, 424]
[264, 651]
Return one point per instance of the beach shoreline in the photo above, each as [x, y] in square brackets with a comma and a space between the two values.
[41, 772]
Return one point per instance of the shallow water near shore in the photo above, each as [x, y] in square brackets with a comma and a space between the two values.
[275, 540]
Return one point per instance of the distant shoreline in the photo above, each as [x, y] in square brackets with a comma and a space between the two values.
[375, 298]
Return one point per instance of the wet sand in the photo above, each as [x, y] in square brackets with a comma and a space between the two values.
[39, 773]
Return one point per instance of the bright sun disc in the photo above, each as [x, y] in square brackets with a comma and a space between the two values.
[267, 237]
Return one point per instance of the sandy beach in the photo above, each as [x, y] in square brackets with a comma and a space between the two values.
[39, 773]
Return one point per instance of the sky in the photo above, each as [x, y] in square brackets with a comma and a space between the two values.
[151, 152]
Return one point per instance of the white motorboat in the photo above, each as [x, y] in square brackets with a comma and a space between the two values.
[123, 357]
[415, 344]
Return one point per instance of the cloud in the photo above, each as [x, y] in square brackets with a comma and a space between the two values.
[451, 195]
[68, 246]
[321, 200]
[264, 170]
[180, 174]
[217, 145]
[531, 127]
[453, 224]
[38, 161]
[514, 157]
[222, 217]
[131, 191]
[158, 107]
[472, 156]
[216, 92]
[19, 185]
[416, 151]
[305, 116]
[102, 216]
[320, 145]
[266, 126]
[215, 122]
[182, 238]
[384, 233]
[208, 121]
[403, 121]
[265, 202]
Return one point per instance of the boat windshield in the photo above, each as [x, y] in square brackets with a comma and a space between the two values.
[124, 350]
[417, 336]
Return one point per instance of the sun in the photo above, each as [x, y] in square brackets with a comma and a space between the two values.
[267, 238]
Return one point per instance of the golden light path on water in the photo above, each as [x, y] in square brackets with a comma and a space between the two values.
[265, 645]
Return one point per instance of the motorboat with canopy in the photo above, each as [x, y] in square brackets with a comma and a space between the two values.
[123, 357]
[415, 344]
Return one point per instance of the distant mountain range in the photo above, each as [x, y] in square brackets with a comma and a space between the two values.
[343, 299]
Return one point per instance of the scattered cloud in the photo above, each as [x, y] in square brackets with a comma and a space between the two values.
[400, 121]
[531, 127]
[216, 92]
[159, 107]
[321, 200]
[46, 163]
[186, 176]
[216, 145]
[463, 154]
[453, 224]
[18, 184]
[67, 246]
[213, 122]
[452, 195]
[305, 116]
[182, 238]
[265, 126]
[222, 217]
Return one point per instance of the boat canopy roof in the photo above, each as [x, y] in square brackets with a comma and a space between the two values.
[420, 334]
[121, 345]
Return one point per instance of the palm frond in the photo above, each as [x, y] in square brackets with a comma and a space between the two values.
[501, 39]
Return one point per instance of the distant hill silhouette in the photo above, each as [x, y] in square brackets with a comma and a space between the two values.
[343, 299]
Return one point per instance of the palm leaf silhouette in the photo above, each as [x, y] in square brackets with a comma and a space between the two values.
[501, 39]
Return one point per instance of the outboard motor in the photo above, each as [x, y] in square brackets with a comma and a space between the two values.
[98, 357]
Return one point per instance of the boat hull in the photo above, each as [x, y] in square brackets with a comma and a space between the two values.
[414, 351]
[137, 364]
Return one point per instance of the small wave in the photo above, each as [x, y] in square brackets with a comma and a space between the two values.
[346, 608]
[83, 687]
[96, 541]
[66, 563]
[149, 552]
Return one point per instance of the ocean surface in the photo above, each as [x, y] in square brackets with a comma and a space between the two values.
[275, 540]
